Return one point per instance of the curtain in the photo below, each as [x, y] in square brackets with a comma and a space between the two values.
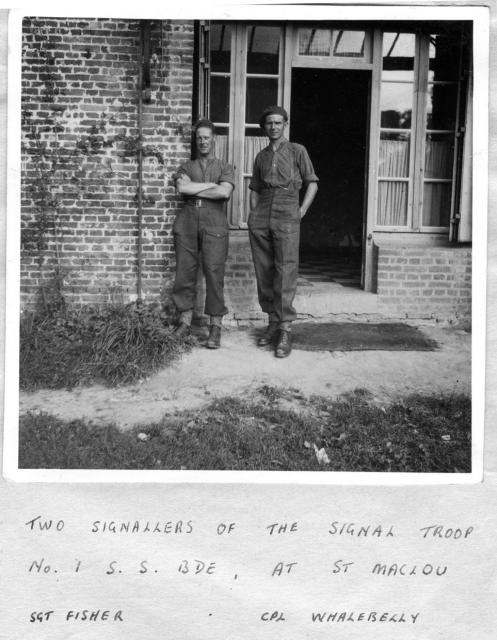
[392, 203]
[436, 204]
[394, 158]
[439, 159]
[439, 155]
[392, 195]
[222, 147]
[253, 144]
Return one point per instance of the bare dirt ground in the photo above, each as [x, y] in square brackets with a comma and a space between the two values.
[239, 368]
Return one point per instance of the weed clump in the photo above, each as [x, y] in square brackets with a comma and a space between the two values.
[119, 344]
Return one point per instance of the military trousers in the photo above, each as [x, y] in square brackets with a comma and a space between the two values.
[274, 231]
[201, 235]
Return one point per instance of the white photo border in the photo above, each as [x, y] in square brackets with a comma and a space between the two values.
[479, 15]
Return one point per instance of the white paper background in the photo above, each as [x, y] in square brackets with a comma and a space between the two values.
[459, 605]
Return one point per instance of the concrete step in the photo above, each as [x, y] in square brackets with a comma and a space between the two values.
[322, 299]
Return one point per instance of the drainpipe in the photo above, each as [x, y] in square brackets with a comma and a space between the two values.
[143, 86]
[140, 168]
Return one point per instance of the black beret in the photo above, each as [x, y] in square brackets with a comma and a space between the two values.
[270, 111]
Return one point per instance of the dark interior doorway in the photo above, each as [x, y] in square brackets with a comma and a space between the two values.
[329, 115]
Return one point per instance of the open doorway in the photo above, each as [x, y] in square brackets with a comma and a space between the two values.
[330, 116]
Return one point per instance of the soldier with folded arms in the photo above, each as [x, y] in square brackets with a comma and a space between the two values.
[201, 228]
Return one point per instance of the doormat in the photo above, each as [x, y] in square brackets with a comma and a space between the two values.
[352, 336]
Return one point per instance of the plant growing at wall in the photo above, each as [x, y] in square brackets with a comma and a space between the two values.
[59, 170]
[133, 144]
[52, 164]
[47, 157]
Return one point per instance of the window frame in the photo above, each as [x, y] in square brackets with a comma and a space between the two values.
[373, 60]
[240, 108]
[419, 131]
[348, 62]
[237, 108]
[424, 131]
[410, 179]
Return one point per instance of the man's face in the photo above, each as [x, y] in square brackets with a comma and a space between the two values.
[274, 126]
[204, 139]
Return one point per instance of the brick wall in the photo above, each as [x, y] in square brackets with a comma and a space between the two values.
[241, 289]
[79, 139]
[424, 282]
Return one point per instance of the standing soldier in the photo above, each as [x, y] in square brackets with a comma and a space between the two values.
[201, 227]
[280, 170]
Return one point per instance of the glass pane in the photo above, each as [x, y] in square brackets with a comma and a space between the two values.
[263, 46]
[436, 204]
[444, 56]
[349, 44]
[261, 92]
[441, 105]
[398, 56]
[396, 105]
[314, 42]
[394, 155]
[392, 203]
[253, 144]
[439, 156]
[222, 140]
[220, 99]
[255, 131]
[220, 43]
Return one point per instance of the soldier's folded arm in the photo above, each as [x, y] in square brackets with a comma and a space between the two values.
[186, 187]
[221, 191]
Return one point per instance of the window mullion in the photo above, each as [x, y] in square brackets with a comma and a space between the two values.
[204, 69]
[455, 213]
[286, 68]
[419, 125]
[238, 65]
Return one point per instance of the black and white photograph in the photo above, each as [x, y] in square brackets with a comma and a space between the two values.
[247, 245]
[249, 320]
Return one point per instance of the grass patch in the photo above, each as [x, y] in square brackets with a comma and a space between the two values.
[114, 345]
[420, 434]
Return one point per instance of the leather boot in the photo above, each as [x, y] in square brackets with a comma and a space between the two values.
[269, 335]
[214, 339]
[182, 330]
[284, 344]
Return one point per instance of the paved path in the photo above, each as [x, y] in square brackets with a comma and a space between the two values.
[239, 367]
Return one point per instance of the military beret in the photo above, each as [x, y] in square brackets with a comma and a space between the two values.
[271, 111]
